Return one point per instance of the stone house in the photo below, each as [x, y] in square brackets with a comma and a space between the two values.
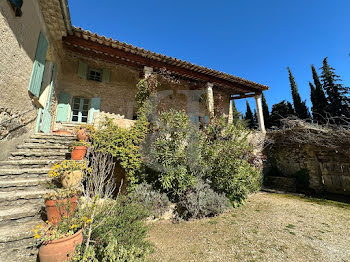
[62, 76]
[54, 76]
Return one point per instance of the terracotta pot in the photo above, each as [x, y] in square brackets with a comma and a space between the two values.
[61, 249]
[78, 152]
[62, 132]
[82, 135]
[71, 179]
[57, 208]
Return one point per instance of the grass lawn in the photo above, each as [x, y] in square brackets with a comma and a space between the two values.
[269, 227]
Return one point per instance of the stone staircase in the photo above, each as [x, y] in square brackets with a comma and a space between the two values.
[22, 187]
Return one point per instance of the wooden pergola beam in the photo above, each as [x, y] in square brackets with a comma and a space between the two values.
[87, 47]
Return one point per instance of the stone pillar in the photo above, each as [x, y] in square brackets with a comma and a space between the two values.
[147, 71]
[260, 113]
[230, 112]
[210, 99]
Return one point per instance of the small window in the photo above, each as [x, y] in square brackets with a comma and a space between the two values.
[95, 75]
[80, 110]
[16, 6]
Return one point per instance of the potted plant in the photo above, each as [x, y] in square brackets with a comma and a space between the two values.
[61, 203]
[79, 150]
[83, 132]
[58, 241]
[68, 173]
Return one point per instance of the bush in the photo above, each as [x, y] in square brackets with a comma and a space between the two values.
[173, 154]
[201, 201]
[228, 154]
[119, 233]
[153, 201]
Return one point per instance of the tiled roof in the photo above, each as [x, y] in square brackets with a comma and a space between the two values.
[87, 35]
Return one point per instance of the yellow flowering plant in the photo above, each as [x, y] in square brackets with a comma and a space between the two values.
[68, 226]
[59, 168]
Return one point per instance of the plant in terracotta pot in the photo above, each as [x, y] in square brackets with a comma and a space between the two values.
[61, 203]
[69, 173]
[83, 132]
[59, 241]
[78, 150]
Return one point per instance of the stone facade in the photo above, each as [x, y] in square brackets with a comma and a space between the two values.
[18, 41]
[329, 170]
[118, 96]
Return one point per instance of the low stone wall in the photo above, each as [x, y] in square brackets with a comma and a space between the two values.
[329, 169]
[116, 118]
[14, 128]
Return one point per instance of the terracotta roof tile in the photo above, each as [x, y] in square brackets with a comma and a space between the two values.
[87, 35]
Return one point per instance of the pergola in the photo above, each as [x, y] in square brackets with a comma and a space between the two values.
[92, 45]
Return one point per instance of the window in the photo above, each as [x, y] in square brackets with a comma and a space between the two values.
[80, 109]
[95, 75]
[16, 6]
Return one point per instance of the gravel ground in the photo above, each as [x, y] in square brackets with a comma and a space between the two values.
[269, 227]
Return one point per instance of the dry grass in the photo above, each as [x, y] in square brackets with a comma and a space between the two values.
[269, 227]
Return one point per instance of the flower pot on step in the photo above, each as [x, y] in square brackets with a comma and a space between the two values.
[78, 152]
[82, 135]
[61, 249]
[57, 208]
[62, 132]
[71, 179]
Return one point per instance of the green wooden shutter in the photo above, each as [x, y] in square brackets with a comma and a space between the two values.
[82, 69]
[63, 107]
[52, 86]
[95, 108]
[38, 66]
[106, 75]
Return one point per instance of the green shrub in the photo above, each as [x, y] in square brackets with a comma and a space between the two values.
[201, 201]
[155, 202]
[124, 144]
[228, 154]
[119, 233]
[173, 154]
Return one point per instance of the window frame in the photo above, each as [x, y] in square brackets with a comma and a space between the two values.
[100, 71]
[80, 110]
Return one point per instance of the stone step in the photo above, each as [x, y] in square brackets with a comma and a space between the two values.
[43, 147]
[23, 184]
[10, 234]
[48, 141]
[37, 155]
[19, 254]
[26, 163]
[17, 215]
[21, 173]
[22, 198]
[54, 136]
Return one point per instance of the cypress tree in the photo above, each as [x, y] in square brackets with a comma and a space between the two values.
[256, 121]
[266, 112]
[318, 99]
[337, 94]
[280, 111]
[301, 110]
[249, 117]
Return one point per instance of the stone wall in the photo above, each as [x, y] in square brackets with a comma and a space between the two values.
[118, 96]
[329, 170]
[18, 41]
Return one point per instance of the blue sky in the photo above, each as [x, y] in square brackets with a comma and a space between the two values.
[253, 39]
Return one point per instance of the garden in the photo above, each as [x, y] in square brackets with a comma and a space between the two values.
[173, 168]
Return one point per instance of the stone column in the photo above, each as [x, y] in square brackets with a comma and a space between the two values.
[147, 71]
[230, 112]
[260, 113]
[210, 100]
